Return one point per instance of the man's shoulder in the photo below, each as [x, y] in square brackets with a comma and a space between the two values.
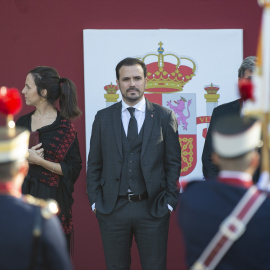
[198, 189]
[228, 106]
[159, 108]
[200, 184]
[109, 109]
[48, 208]
[188, 185]
[29, 207]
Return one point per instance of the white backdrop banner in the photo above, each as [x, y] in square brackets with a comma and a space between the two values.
[189, 71]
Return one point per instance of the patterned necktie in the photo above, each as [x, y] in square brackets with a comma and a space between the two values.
[132, 126]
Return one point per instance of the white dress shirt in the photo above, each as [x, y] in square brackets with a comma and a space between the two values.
[139, 114]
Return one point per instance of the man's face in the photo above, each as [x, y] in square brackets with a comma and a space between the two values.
[247, 74]
[131, 83]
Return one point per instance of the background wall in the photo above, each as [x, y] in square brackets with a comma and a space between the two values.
[37, 32]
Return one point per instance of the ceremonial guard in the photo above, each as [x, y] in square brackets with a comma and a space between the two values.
[225, 222]
[31, 236]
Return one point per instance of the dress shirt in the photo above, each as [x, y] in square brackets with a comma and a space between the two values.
[139, 114]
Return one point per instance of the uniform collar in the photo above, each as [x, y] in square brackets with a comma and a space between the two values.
[240, 179]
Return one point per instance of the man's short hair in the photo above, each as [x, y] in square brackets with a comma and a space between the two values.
[240, 163]
[9, 169]
[247, 64]
[129, 61]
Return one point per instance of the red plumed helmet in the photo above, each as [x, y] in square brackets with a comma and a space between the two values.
[246, 89]
[10, 101]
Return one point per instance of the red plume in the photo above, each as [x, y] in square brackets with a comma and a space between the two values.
[246, 89]
[10, 101]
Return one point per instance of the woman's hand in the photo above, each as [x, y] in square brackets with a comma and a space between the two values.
[35, 154]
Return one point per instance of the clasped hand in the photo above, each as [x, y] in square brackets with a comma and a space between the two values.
[35, 153]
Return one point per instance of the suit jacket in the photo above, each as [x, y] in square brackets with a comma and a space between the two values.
[203, 206]
[232, 108]
[160, 158]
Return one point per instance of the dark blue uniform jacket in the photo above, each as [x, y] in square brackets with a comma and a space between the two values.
[16, 238]
[203, 206]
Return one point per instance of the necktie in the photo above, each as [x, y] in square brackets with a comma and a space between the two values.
[132, 126]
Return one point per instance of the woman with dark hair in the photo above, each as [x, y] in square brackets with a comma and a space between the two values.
[55, 160]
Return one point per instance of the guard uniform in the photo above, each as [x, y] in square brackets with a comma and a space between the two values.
[31, 236]
[204, 205]
[20, 247]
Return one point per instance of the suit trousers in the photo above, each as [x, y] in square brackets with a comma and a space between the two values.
[130, 219]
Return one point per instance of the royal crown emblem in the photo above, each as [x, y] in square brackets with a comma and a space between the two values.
[111, 96]
[111, 89]
[211, 95]
[211, 89]
[167, 77]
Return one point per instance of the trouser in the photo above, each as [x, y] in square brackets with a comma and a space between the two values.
[130, 219]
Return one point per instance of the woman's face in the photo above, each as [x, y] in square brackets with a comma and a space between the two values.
[30, 91]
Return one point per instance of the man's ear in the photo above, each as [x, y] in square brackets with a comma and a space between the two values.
[24, 168]
[215, 159]
[21, 173]
[117, 82]
[255, 160]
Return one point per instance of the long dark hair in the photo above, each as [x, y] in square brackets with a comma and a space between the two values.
[57, 88]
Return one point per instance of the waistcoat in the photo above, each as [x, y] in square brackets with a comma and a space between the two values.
[131, 174]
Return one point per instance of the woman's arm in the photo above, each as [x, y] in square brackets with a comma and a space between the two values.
[36, 157]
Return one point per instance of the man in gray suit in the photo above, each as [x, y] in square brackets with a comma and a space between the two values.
[133, 169]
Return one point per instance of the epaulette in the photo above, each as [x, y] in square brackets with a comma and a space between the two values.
[48, 208]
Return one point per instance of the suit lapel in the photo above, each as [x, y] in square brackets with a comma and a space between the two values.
[117, 122]
[148, 124]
